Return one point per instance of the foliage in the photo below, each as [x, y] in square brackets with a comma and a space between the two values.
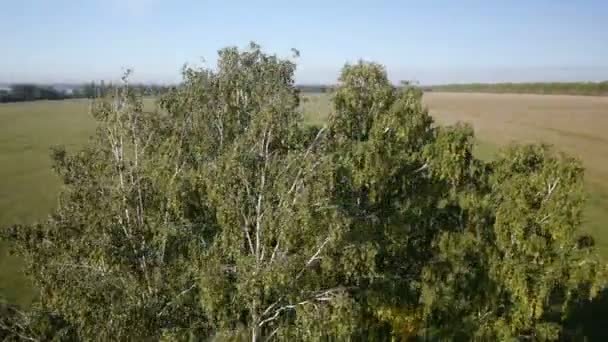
[224, 216]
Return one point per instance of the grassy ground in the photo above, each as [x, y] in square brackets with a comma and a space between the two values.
[28, 187]
[316, 108]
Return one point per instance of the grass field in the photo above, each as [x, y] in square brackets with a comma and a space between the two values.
[28, 187]
[576, 125]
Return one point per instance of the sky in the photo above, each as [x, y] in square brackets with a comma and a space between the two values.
[431, 42]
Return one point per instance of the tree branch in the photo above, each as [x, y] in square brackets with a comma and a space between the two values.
[422, 168]
[322, 296]
[278, 311]
[550, 188]
[246, 231]
[164, 309]
[10, 330]
[314, 257]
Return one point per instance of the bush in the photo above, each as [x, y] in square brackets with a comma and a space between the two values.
[225, 216]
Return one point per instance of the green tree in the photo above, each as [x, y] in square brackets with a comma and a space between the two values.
[117, 260]
[225, 216]
[278, 256]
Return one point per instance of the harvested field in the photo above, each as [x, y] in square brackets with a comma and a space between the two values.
[577, 125]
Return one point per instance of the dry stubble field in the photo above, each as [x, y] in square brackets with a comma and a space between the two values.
[577, 125]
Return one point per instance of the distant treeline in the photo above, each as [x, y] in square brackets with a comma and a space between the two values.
[564, 88]
[34, 92]
[314, 89]
[30, 92]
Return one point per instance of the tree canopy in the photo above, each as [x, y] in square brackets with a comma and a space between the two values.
[223, 215]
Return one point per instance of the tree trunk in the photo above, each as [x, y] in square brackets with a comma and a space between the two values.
[254, 333]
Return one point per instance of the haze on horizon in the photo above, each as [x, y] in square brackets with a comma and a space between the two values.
[432, 42]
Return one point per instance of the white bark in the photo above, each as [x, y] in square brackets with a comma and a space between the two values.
[164, 309]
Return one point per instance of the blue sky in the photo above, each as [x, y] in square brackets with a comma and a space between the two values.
[429, 41]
